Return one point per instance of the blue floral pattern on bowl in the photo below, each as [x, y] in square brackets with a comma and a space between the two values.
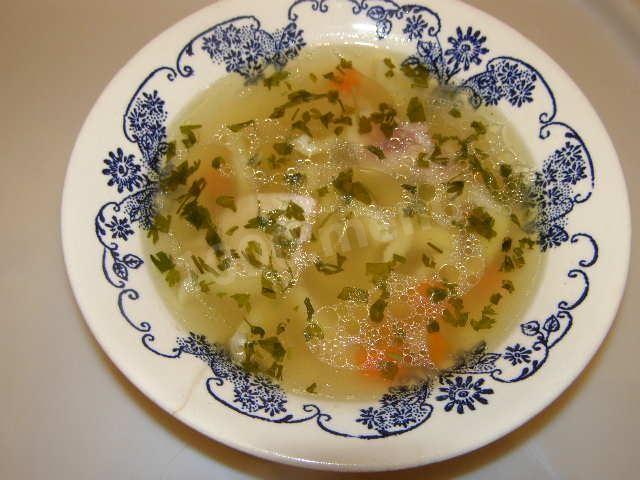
[565, 180]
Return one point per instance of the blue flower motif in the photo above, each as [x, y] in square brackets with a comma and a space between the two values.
[462, 393]
[273, 402]
[402, 415]
[466, 48]
[120, 228]
[508, 73]
[553, 236]
[141, 208]
[517, 354]
[152, 103]
[414, 27]
[521, 92]
[289, 44]
[368, 417]
[124, 171]
[248, 400]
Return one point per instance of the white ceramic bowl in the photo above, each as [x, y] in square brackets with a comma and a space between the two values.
[585, 231]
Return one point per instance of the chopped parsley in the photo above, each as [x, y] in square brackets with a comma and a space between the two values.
[313, 388]
[294, 211]
[354, 294]
[236, 127]
[487, 319]
[217, 162]
[377, 151]
[189, 139]
[435, 247]
[310, 310]
[331, 269]
[480, 222]
[415, 110]
[161, 224]
[376, 311]
[275, 78]
[345, 185]
[428, 261]
[226, 201]
[165, 264]
[455, 188]
[243, 301]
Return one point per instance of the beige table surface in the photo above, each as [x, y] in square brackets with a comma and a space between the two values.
[67, 413]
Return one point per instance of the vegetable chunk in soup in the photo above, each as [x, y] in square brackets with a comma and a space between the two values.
[344, 224]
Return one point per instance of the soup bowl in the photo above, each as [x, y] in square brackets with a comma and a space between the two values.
[584, 232]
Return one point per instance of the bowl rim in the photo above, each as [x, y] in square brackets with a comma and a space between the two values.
[68, 232]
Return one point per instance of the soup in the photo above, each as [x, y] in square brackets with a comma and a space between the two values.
[344, 224]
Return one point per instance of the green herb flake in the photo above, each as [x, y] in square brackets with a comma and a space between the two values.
[505, 170]
[345, 185]
[273, 347]
[313, 77]
[364, 125]
[508, 286]
[423, 160]
[480, 222]
[283, 148]
[178, 176]
[506, 244]
[413, 189]
[252, 252]
[268, 289]
[202, 265]
[354, 294]
[415, 110]
[526, 242]
[479, 127]
[163, 262]
[487, 319]
[282, 326]
[275, 78]
[433, 326]
[435, 247]
[437, 294]
[495, 298]
[455, 188]
[455, 113]
[226, 201]
[232, 230]
[514, 219]
[507, 264]
[376, 311]
[418, 73]
[331, 269]
[236, 127]
[294, 211]
[428, 261]
[214, 241]
[313, 388]
[322, 191]
[312, 331]
[388, 369]
[310, 310]
[243, 300]
[377, 151]
[189, 139]
[217, 162]
[161, 224]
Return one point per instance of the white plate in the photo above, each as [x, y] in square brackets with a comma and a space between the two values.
[586, 230]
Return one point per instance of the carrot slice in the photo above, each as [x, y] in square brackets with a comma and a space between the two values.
[348, 81]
